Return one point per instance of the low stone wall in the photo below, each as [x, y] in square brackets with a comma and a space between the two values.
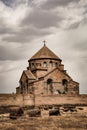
[60, 100]
[16, 100]
[37, 100]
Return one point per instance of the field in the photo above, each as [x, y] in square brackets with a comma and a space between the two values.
[70, 122]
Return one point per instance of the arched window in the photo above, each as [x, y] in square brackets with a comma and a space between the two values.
[38, 64]
[45, 64]
[51, 64]
[50, 85]
[21, 83]
[26, 82]
[32, 65]
[65, 83]
[57, 65]
[49, 81]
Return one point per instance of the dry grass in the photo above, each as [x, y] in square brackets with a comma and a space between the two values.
[74, 122]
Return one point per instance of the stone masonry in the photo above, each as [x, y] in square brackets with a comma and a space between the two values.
[45, 75]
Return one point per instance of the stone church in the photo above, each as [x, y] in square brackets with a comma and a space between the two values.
[45, 86]
[46, 75]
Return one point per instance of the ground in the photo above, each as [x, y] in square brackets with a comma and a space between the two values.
[70, 122]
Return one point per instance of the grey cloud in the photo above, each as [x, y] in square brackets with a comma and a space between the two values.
[79, 43]
[13, 3]
[42, 19]
[6, 30]
[74, 25]
[10, 74]
[81, 46]
[51, 4]
[7, 2]
[85, 7]
[17, 38]
[84, 21]
[26, 34]
[7, 85]
[8, 53]
[34, 25]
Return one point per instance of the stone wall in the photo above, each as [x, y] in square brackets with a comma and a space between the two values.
[14, 99]
[41, 67]
[29, 100]
[61, 100]
[57, 77]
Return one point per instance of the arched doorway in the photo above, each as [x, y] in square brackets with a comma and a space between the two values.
[50, 85]
[65, 84]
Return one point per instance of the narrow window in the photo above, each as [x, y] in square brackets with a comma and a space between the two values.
[57, 65]
[51, 64]
[32, 65]
[44, 64]
[65, 83]
[50, 85]
[27, 82]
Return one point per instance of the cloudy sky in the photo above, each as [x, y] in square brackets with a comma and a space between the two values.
[24, 24]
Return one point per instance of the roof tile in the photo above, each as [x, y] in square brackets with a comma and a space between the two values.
[46, 53]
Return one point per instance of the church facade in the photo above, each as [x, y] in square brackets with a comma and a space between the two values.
[46, 75]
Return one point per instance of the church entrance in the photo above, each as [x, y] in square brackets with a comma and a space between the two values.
[50, 86]
[65, 84]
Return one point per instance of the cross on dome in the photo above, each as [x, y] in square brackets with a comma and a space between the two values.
[44, 43]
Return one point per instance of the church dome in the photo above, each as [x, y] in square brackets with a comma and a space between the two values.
[44, 53]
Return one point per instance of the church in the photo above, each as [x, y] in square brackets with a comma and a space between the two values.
[45, 87]
[46, 75]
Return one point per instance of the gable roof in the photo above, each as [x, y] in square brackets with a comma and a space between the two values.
[52, 72]
[59, 70]
[28, 74]
[46, 53]
[62, 73]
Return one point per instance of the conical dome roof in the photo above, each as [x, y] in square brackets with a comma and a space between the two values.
[45, 53]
